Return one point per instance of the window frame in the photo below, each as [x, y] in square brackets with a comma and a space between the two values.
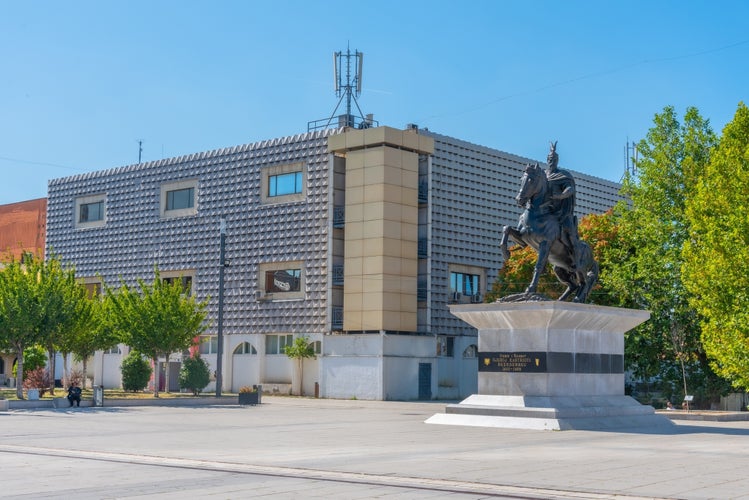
[185, 275]
[211, 341]
[275, 171]
[171, 187]
[273, 343]
[82, 201]
[272, 267]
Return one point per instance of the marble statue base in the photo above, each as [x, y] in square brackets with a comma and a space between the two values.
[550, 365]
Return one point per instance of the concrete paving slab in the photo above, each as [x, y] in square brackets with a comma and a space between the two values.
[307, 448]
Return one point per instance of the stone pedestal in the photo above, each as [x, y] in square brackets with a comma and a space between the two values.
[550, 365]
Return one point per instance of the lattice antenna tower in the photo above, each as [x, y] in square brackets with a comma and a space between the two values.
[347, 75]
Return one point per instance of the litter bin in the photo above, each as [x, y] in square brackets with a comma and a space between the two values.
[98, 395]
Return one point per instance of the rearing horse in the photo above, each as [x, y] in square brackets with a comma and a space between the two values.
[539, 228]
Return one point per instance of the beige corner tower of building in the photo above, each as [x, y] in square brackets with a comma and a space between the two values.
[381, 235]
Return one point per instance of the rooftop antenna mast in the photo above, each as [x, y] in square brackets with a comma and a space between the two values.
[347, 76]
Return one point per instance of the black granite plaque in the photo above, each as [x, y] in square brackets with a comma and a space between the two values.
[550, 362]
[517, 362]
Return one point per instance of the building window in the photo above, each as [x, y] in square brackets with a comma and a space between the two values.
[245, 348]
[275, 344]
[184, 278]
[445, 346]
[208, 344]
[283, 183]
[316, 346]
[465, 284]
[90, 211]
[92, 286]
[179, 199]
[113, 350]
[281, 280]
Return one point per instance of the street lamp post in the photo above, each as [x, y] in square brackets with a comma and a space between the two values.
[220, 334]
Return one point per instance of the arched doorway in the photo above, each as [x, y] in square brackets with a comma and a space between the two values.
[244, 366]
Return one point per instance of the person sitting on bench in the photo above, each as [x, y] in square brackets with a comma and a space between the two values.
[74, 394]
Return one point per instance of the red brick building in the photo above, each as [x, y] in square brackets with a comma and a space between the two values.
[23, 228]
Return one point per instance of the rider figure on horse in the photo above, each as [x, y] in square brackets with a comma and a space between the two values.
[562, 201]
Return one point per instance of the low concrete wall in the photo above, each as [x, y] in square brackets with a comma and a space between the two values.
[111, 402]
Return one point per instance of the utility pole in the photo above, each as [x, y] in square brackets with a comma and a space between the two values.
[220, 333]
[140, 151]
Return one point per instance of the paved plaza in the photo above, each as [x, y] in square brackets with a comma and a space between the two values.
[308, 448]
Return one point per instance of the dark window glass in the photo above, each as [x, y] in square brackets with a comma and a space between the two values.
[90, 212]
[180, 198]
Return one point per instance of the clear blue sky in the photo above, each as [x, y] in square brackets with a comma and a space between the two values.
[82, 82]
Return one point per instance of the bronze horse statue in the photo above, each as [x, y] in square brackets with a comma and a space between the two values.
[540, 229]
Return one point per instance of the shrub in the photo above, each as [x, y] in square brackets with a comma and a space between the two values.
[194, 374]
[136, 372]
[38, 378]
[246, 389]
[75, 377]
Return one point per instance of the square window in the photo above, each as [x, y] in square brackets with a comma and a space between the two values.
[281, 280]
[90, 211]
[283, 183]
[179, 199]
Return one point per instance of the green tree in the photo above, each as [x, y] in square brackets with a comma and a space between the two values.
[34, 357]
[21, 311]
[716, 257]
[156, 319]
[92, 332]
[65, 307]
[194, 374]
[136, 372]
[653, 225]
[299, 350]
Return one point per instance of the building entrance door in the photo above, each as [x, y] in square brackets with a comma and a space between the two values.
[425, 381]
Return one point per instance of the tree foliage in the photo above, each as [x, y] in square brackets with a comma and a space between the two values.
[136, 372]
[156, 319]
[194, 374]
[716, 256]
[40, 303]
[299, 350]
[653, 228]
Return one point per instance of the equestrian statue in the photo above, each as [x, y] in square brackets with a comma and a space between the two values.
[548, 225]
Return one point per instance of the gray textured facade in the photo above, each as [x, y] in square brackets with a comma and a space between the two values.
[466, 195]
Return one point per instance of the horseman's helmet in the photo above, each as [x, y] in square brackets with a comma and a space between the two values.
[553, 158]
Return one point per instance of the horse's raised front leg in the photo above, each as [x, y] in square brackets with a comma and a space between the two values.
[543, 257]
[503, 243]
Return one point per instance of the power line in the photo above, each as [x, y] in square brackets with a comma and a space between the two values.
[30, 162]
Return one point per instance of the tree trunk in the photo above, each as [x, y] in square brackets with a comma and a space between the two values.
[19, 372]
[85, 376]
[156, 377]
[51, 354]
[65, 381]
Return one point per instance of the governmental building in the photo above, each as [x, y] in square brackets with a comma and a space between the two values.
[354, 237]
